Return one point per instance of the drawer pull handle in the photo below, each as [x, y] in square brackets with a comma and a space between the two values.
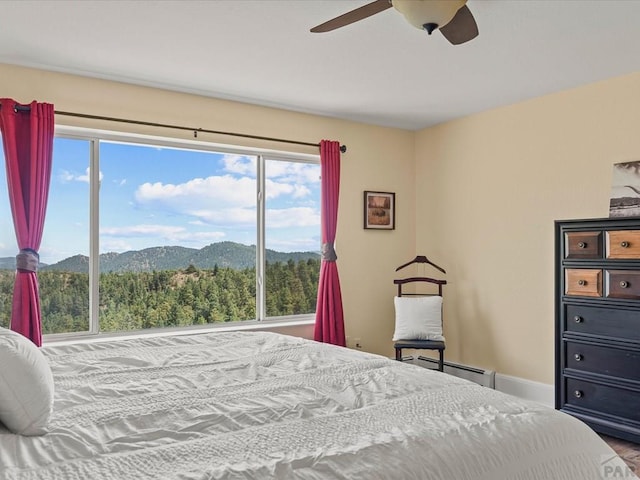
[624, 284]
[624, 244]
[582, 283]
[578, 357]
[582, 245]
[577, 319]
[578, 394]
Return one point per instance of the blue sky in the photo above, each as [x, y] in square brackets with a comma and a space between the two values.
[152, 196]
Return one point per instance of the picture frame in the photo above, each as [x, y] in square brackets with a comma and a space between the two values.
[379, 210]
[624, 200]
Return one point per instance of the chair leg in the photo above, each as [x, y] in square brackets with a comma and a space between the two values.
[441, 361]
[399, 354]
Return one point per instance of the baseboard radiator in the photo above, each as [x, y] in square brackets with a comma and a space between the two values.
[486, 378]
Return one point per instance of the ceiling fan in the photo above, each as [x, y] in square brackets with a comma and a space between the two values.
[452, 17]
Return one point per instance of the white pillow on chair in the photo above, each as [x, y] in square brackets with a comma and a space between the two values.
[26, 385]
[418, 318]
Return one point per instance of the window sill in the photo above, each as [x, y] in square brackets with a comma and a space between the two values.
[253, 325]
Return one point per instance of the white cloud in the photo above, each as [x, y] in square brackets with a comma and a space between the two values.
[293, 172]
[66, 176]
[276, 189]
[226, 200]
[206, 237]
[141, 231]
[239, 164]
[292, 217]
[215, 199]
[115, 245]
[308, 244]
[167, 232]
[229, 216]
[216, 191]
[300, 191]
[282, 170]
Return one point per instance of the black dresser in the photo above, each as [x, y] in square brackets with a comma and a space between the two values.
[598, 323]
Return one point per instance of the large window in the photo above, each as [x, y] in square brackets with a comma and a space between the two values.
[159, 234]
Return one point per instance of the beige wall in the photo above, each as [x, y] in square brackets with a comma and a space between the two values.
[478, 196]
[489, 189]
[377, 158]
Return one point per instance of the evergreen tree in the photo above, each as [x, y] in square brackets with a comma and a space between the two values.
[142, 300]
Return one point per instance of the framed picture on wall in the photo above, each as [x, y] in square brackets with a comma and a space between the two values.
[625, 190]
[379, 210]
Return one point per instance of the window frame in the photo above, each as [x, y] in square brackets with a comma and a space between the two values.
[94, 137]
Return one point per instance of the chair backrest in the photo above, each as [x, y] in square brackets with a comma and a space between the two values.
[404, 281]
[416, 318]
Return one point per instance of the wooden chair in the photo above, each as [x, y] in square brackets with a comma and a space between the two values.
[438, 345]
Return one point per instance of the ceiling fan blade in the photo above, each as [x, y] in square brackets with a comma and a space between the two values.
[353, 16]
[461, 28]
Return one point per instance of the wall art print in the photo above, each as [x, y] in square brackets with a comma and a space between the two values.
[379, 210]
[625, 190]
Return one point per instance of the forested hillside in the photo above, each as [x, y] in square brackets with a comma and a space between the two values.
[223, 254]
[135, 300]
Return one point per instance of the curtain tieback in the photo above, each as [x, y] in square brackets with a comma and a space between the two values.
[28, 259]
[328, 252]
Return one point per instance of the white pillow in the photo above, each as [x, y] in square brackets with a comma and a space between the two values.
[418, 318]
[26, 385]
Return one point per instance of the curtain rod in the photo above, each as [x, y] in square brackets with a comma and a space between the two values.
[23, 108]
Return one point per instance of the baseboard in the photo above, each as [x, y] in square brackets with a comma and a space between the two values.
[527, 389]
[518, 387]
[477, 375]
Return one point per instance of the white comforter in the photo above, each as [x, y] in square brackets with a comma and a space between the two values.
[249, 405]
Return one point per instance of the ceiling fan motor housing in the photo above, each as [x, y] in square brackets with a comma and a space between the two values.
[428, 14]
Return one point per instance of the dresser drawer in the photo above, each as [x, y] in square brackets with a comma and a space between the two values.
[603, 322]
[623, 284]
[602, 398]
[614, 362]
[623, 244]
[583, 282]
[583, 245]
[597, 362]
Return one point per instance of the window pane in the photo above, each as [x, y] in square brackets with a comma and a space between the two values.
[63, 275]
[8, 248]
[292, 237]
[177, 237]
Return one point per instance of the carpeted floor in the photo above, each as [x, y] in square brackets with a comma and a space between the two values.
[629, 452]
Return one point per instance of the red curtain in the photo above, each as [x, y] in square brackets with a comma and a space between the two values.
[27, 137]
[329, 326]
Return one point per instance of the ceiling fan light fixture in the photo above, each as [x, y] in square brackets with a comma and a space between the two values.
[424, 14]
[430, 27]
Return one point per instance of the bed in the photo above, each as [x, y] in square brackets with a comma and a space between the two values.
[256, 405]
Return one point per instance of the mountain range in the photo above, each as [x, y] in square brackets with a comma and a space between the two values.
[223, 254]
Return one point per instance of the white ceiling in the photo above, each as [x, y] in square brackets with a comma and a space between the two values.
[380, 70]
